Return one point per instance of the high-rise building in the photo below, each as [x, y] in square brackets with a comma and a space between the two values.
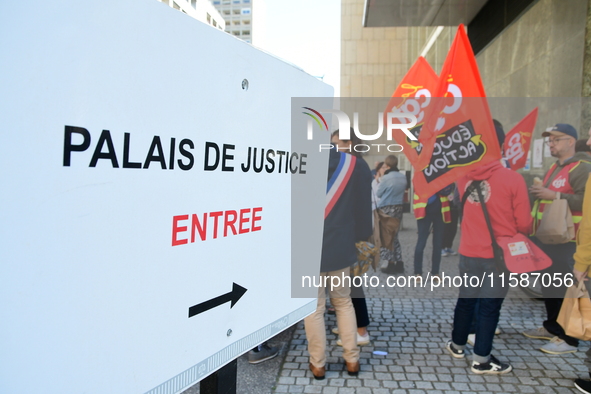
[202, 10]
[238, 15]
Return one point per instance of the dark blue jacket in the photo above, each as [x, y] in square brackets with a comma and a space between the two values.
[350, 219]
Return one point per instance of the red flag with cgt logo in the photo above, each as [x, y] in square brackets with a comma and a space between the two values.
[458, 134]
[413, 96]
[518, 140]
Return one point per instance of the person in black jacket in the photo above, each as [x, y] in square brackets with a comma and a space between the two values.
[347, 220]
[357, 294]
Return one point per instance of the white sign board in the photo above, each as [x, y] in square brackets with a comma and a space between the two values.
[527, 166]
[130, 204]
[538, 159]
[547, 152]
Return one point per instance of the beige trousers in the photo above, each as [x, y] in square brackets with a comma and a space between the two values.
[340, 297]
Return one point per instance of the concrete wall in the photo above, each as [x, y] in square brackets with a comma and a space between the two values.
[373, 60]
[418, 38]
[540, 55]
[545, 56]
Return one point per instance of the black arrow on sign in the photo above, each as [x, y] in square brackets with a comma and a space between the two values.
[233, 296]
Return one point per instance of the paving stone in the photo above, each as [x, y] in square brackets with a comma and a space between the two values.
[390, 384]
[424, 385]
[336, 382]
[371, 383]
[287, 380]
[412, 326]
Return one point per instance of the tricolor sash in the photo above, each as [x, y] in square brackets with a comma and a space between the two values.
[338, 181]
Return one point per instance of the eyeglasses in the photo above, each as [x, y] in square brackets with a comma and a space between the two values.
[555, 141]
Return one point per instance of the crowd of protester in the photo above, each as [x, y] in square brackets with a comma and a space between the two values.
[512, 208]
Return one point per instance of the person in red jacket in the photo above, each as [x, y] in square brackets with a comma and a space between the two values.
[506, 198]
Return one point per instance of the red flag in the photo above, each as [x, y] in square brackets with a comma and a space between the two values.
[458, 134]
[518, 140]
[413, 96]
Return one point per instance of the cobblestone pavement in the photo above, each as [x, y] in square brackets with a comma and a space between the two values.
[412, 327]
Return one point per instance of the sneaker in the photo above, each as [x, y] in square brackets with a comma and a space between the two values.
[362, 340]
[584, 386]
[335, 330]
[456, 353]
[265, 353]
[444, 253]
[498, 331]
[492, 367]
[451, 252]
[538, 333]
[558, 346]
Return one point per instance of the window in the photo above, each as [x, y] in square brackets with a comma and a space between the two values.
[208, 18]
[215, 23]
[246, 11]
[194, 3]
[226, 12]
[236, 22]
[246, 22]
[236, 12]
[216, 2]
[246, 32]
[236, 1]
[246, 1]
[175, 6]
[236, 33]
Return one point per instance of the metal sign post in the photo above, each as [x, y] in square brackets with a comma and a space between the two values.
[222, 381]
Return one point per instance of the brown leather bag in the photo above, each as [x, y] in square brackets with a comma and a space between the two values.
[556, 226]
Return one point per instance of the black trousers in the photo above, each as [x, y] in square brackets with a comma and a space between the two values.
[450, 229]
[360, 306]
[562, 264]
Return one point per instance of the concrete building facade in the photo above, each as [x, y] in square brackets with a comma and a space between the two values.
[543, 54]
